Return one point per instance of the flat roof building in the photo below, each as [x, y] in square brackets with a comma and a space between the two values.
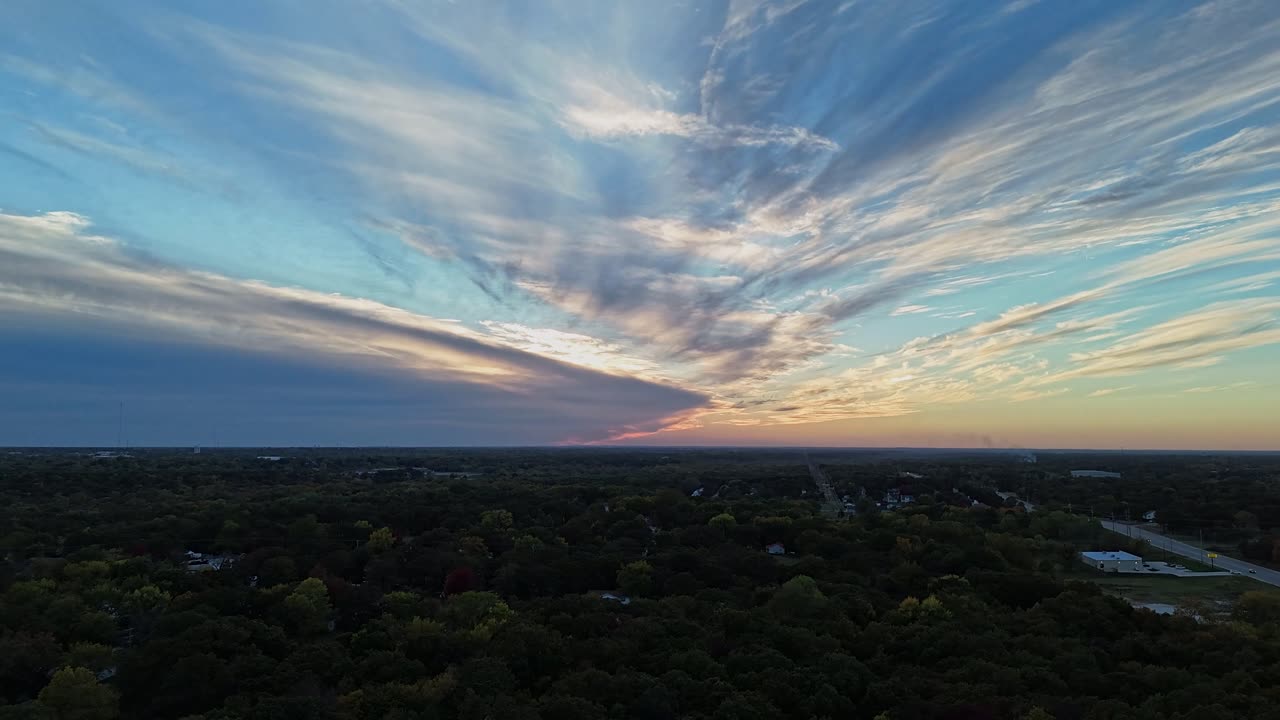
[1112, 561]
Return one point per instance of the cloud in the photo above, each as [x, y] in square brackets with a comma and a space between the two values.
[54, 267]
[916, 216]
[611, 118]
[1219, 328]
[574, 348]
[910, 310]
[1110, 391]
[1026, 395]
[727, 197]
[1027, 314]
[83, 77]
[140, 159]
[1219, 388]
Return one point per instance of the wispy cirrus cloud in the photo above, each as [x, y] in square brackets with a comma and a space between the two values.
[1103, 392]
[729, 198]
[610, 118]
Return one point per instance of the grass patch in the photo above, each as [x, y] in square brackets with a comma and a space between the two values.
[1213, 591]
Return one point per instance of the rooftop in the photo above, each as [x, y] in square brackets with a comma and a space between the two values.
[1111, 555]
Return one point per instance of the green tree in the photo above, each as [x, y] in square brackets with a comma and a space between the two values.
[1258, 607]
[723, 522]
[308, 607]
[496, 520]
[146, 600]
[75, 694]
[480, 613]
[473, 547]
[403, 605]
[636, 578]
[88, 655]
[278, 570]
[381, 540]
[1245, 520]
[25, 660]
[798, 597]
[529, 544]
[230, 537]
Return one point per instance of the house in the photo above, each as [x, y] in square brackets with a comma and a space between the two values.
[1112, 561]
[620, 599]
[775, 549]
[696, 493]
[200, 562]
[897, 498]
[1149, 516]
[1094, 474]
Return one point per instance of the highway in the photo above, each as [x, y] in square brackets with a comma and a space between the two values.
[1271, 577]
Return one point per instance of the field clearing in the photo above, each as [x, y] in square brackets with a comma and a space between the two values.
[1221, 592]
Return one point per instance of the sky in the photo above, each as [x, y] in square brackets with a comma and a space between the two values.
[741, 222]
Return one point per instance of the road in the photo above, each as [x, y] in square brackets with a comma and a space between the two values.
[1262, 574]
[832, 504]
[1026, 505]
[1271, 577]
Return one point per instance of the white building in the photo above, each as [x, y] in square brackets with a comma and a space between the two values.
[775, 549]
[1112, 561]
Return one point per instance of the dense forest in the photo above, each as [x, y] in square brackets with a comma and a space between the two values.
[598, 584]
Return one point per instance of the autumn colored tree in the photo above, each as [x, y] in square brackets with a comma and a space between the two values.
[459, 580]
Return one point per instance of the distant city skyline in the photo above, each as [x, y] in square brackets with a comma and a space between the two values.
[1011, 224]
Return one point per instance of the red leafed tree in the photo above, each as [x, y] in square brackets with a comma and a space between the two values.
[459, 580]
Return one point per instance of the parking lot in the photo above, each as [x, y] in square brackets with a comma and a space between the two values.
[1163, 568]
